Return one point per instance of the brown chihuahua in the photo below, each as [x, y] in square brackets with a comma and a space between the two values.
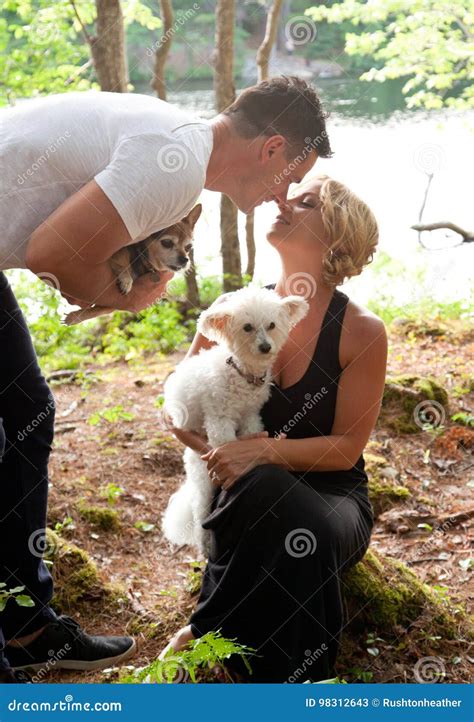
[166, 250]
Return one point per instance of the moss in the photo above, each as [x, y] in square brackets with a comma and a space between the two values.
[401, 397]
[102, 517]
[383, 594]
[409, 326]
[384, 490]
[76, 579]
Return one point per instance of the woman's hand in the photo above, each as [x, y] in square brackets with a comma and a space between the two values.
[230, 461]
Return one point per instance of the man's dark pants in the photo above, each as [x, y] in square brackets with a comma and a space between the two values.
[26, 435]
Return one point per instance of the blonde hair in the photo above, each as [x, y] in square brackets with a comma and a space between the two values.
[351, 229]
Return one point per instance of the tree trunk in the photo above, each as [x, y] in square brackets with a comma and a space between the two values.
[263, 60]
[225, 94]
[161, 55]
[108, 47]
[192, 289]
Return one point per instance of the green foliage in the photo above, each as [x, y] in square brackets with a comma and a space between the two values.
[208, 651]
[23, 600]
[111, 415]
[112, 493]
[427, 42]
[43, 48]
[463, 418]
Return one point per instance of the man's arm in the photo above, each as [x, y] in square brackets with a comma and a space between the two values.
[75, 244]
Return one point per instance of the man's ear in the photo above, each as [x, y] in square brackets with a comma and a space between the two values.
[214, 322]
[193, 215]
[296, 307]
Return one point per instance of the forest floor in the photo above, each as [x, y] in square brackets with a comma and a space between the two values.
[112, 451]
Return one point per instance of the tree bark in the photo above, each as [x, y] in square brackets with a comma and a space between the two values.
[192, 289]
[161, 55]
[263, 61]
[224, 90]
[108, 47]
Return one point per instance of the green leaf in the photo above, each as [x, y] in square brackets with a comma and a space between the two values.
[23, 600]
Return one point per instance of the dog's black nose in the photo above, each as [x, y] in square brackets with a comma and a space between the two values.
[265, 347]
[182, 260]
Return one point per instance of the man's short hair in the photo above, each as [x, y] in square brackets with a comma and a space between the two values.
[286, 106]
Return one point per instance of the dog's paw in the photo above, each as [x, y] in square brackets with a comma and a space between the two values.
[124, 284]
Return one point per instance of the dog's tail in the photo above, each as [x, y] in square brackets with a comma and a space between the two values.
[178, 522]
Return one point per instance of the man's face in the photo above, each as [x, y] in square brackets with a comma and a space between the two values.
[270, 175]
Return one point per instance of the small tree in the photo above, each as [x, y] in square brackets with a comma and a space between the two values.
[225, 94]
[430, 42]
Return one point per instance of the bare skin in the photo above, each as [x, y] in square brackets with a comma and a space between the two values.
[299, 236]
[76, 241]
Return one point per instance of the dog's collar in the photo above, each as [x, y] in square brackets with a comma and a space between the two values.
[250, 378]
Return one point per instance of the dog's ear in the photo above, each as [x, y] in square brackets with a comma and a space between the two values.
[214, 322]
[296, 307]
[193, 216]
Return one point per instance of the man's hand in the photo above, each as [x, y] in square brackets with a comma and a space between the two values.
[75, 244]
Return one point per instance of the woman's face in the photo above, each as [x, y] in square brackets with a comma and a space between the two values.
[299, 224]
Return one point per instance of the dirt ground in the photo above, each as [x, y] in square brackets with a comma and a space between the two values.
[137, 455]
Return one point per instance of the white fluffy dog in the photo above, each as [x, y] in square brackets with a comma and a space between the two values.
[219, 392]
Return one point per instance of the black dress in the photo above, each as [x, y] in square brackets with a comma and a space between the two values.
[281, 539]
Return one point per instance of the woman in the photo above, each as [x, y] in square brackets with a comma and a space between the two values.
[291, 511]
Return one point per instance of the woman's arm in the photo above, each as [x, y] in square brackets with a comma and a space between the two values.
[358, 404]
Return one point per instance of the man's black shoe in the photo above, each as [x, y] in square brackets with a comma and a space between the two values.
[64, 645]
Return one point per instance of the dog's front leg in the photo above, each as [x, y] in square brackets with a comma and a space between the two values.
[251, 424]
[220, 430]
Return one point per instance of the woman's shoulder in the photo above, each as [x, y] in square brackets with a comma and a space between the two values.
[361, 329]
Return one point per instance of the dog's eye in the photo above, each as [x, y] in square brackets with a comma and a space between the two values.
[248, 327]
[271, 326]
[188, 248]
[167, 243]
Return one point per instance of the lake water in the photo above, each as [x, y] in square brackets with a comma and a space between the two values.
[383, 152]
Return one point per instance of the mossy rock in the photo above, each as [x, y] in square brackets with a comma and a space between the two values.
[384, 594]
[76, 579]
[406, 406]
[384, 490]
[100, 516]
[409, 326]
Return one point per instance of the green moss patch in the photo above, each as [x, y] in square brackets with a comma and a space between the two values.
[76, 579]
[384, 489]
[406, 406]
[383, 594]
[100, 516]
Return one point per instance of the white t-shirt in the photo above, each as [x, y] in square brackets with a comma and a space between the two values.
[148, 157]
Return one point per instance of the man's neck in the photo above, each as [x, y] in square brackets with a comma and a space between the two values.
[223, 159]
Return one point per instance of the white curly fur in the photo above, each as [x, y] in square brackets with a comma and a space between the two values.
[208, 396]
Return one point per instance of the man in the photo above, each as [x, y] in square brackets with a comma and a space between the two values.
[84, 174]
